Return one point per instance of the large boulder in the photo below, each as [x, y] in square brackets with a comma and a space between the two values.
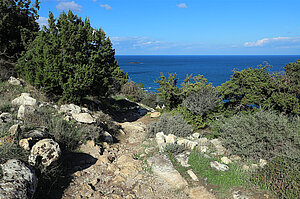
[25, 99]
[46, 150]
[23, 110]
[19, 181]
[162, 166]
[84, 118]
[14, 81]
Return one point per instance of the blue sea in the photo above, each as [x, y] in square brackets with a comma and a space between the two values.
[217, 69]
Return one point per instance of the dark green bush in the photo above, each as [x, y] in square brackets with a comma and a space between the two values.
[70, 60]
[174, 149]
[170, 124]
[201, 101]
[263, 134]
[281, 176]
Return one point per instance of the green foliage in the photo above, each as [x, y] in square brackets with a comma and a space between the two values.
[263, 134]
[18, 26]
[11, 151]
[70, 60]
[281, 176]
[234, 177]
[202, 101]
[170, 124]
[256, 87]
[293, 76]
[174, 149]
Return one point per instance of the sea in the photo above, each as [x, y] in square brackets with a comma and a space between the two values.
[217, 69]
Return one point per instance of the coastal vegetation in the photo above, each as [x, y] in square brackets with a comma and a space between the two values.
[255, 114]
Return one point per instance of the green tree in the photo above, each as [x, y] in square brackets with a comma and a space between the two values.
[70, 60]
[18, 26]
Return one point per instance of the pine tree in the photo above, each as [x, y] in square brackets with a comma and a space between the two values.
[70, 60]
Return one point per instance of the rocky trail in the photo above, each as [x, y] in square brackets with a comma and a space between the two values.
[119, 172]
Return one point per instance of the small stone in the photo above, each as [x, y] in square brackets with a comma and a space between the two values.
[196, 135]
[170, 139]
[192, 175]
[191, 145]
[183, 159]
[226, 160]
[155, 114]
[25, 100]
[23, 110]
[14, 81]
[219, 166]
[245, 167]
[6, 117]
[203, 141]
[182, 141]
[84, 118]
[68, 118]
[160, 140]
[24, 143]
[262, 163]
[149, 150]
[122, 132]
[15, 130]
[203, 149]
[70, 108]
[107, 137]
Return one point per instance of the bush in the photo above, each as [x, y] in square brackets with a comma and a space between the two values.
[11, 151]
[201, 101]
[170, 124]
[70, 60]
[174, 149]
[263, 134]
[281, 176]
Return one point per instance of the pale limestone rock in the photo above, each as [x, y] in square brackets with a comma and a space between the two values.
[203, 141]
[226, 160]
[25, 99]
[183, 158]
[239, 195]
[191, 145]
[47, 149]
[170, 139]
[70, 108]
[18, 182]
[218, 146]
[262, 163]
[107, 137]
[23, 110]
[235, 158]
[182, 141]
[155, 114]
[160, 140]
[219, 166]
[15, 130]
[84, 118]
[245, 167]
[24, 143]
[203, 149]
[192, 175]
[162, 166]
[5, 117]
[14, 81]
[196, 135]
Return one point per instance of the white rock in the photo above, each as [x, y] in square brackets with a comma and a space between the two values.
[18, 182]
[191, 145]
[219, 166]
[14, 81]
[196, 135]
[25, 99]
[203, 149]
[203, 141]
[182, 141]
[218, 146]
[107, 137]
[245, 167]
[170, 139]
[160, 140]
[262, 163]
[183, 158]
[235, 158]
[5, 117]
[14, 129]
[239, 195]
[47, 149]
[192, 175]
[162, 166]
[24, 143]
[70, 108]
[226, 160]
[84, 118]
[23, 110]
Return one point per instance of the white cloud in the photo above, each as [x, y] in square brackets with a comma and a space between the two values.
[181, 5]
[275, 42]
[43, 21]
[106, 6]
[69, 5]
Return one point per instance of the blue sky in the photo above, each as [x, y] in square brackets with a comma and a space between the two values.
[191, 27]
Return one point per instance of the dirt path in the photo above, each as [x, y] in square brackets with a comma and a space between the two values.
[120, 173]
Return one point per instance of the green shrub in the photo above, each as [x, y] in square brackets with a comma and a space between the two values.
[201, 101]
[263, 134]
[281, 176]
[174, 149]
[170, 124]
[70, 60]
[11, 151]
